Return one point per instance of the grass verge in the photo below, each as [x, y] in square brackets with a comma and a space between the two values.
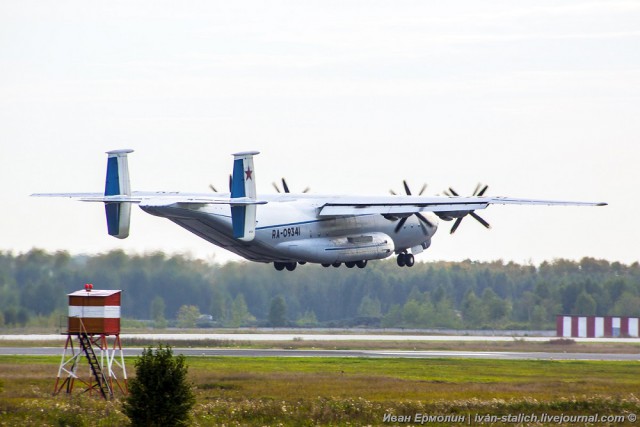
[341, 391]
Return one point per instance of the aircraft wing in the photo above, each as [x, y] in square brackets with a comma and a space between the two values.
[405, 205]
[158, 198]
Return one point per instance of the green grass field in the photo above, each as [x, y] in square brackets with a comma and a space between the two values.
[340, 391]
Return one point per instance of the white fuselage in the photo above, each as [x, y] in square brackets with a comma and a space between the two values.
[288, 229]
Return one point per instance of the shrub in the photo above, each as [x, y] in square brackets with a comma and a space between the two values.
[160, 394]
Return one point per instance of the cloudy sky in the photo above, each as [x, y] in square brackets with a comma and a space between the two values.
[536, 98]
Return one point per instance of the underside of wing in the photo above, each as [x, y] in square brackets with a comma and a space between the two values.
[406, 205]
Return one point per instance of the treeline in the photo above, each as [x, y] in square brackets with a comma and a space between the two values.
[175, 290]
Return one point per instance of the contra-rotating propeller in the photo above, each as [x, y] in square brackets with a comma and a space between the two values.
[407, 190]
[478, 192]
[423, 221]
[230, 184]
[286, 187]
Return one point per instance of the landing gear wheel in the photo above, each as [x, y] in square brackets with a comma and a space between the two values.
[401, 260]
[409, 260]
[326, 265]
[279, 266]
[291, 266]
[336, 264]
[361, 264]
[350, 264]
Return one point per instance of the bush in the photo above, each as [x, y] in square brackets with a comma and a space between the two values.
[160, 394]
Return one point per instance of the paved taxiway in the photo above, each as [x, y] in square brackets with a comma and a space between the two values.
[403, 354]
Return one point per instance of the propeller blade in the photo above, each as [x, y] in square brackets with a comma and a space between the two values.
[424, 187]
[479, 219]
[400, 224]
[393, 192]
[424, 222]
[425, 231]
[478, 192]
[230, 182]
[456, 225]
[447, 193]
[285, 186]
[213, 188]
[481, 192]
[423, 219]
[406, 187]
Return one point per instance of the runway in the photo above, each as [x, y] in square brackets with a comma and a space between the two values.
[209, 352]
[240, 337]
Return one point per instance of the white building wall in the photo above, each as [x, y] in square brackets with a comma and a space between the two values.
[633, 327]
[599, 329]
[566, 326]
[582, 327]
[615, 327]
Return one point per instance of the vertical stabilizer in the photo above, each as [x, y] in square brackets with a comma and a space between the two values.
[118, 184]
[243, 185]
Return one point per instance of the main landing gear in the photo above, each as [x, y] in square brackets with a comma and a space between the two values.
[290, 266]
[348, 264]
[405, 260]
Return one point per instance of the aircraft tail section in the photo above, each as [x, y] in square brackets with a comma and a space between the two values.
[243, 185]
[118, 184]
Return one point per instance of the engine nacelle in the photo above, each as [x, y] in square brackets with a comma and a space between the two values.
[327, 250]
[451, 215]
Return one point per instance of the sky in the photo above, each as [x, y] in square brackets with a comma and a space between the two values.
[535, 98]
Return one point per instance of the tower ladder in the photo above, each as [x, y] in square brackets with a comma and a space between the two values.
[101, 380]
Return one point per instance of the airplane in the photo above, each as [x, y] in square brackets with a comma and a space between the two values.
[289, 229]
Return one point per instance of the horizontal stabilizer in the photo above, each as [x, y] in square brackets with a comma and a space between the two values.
[160, 198]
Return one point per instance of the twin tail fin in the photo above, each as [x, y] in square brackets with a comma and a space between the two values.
[118, 184]
[243, 185]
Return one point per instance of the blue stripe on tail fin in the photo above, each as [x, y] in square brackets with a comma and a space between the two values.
[238, 219]
[237, 183]
[112, 184]
[113, 218]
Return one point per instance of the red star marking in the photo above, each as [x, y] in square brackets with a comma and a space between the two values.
[249, 172]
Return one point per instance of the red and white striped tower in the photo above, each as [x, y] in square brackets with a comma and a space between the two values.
[597, 326]
[94, 317]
